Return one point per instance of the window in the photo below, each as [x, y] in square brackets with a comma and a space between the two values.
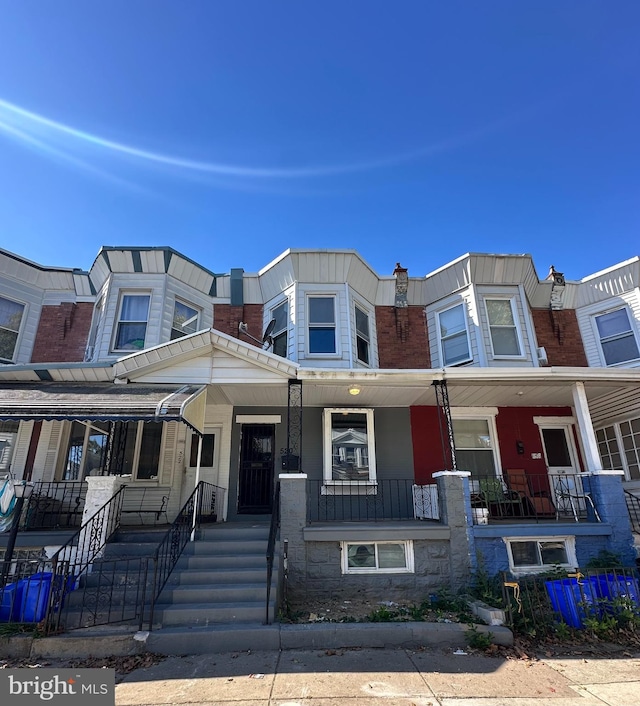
[537, 554]
[96, 320]
[617, 340]
[208, 448]
[86, 451]
[322, 324]
[8, 436]
[349, 445]
[362, 336]
[280, 314]
[619, 447]
[454, 339]
[185, 320]
[10, 319]
[505, 340]
[142, 450]
[609, 449]
[131, 327]
[377, 557]
[474, 446]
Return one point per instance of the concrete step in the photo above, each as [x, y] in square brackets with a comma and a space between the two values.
[201, 561]
[129, 549]
[193, 614]
[234, 531]
[227, 547]
[214, 595]
[124, 536]
[222, 576]
[214, 639]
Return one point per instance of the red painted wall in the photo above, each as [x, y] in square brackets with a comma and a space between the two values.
[512, 424]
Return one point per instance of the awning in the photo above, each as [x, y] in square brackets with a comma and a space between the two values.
[105, 402]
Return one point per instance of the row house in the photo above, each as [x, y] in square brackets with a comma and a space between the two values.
[401, 430]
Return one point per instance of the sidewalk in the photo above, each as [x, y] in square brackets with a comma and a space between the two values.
[381, 677]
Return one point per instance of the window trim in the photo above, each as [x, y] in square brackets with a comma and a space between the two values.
[569, 547]
[469, 359]
[632, 331]
[489, 415]
[184, 302]
[327, 468]
[619, 436]
[285, 330]
[121, 296]
[358, 307]
[408, 553]
[215, 433]
[516, 326]
[321, 295]
[18, 333]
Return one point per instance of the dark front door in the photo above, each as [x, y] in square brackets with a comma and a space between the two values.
[255, 484]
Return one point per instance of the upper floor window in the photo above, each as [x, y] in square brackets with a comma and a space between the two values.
[454, 338]
[10, 319]
[505, 338]
[349, 445]
[280, 314]
[185, 320]
[362, 336]
[617, 339]
[322, 324]
[131, 327]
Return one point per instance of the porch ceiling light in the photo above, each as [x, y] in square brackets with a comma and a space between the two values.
[354, 390]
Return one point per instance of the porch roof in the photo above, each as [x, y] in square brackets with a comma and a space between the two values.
[104, 402]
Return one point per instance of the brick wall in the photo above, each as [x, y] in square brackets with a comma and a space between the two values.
[226, 319]
[559, 333]
[402, 337]
[62, 333]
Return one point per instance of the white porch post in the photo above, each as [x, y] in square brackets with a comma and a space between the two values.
[585, 425]
[197, 499]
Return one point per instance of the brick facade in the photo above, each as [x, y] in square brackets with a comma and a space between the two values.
[559, 334]
[227, 318]
[62, 333]
[402, 337]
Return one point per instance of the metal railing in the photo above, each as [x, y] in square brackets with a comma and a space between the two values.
[527, 497]
[54, 505]
[576, 599]
[360, 501]
[633, 505]
[271, 544]
[204, 503]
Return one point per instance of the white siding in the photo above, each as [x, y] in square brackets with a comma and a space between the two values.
[166, 473]
[614, 282]
[465, 297]
[191, 274]
[152, 261]
[32, 298]
[176, 289]
[588, 330]
[615, 407]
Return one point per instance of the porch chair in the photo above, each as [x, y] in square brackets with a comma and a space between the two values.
[540, 502]
[500, 500]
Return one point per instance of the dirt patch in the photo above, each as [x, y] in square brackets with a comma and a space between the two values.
[122, 665]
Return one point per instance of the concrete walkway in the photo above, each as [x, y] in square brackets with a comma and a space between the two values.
[381, 677]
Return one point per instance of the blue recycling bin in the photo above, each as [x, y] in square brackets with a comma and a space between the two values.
[10, 604]
[36, 590]
[612, 586]
[573, 599]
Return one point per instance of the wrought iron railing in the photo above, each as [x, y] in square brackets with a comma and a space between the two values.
[633, 505]
[271, 545]
[518, 496]
[360, 501]
[204, 503]
[76, 559]
[54, 505]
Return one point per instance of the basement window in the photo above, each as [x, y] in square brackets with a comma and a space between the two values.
[377, 557]
[534, 554]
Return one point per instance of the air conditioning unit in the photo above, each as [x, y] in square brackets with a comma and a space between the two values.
[542, 356]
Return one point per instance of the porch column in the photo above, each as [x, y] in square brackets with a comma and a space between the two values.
[293, 519]
[455, 511]
[585, 425]
[100, 490]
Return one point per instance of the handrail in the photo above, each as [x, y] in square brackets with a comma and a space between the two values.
[80, 551]
[273, 533]
[633, 506]
[177, 537]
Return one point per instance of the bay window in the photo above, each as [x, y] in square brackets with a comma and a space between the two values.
[505, 337]
[454, 337]
[185, 320]
[131, 326]
[11, 314]
[321, 324]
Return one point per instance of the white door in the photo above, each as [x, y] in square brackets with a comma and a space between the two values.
[562, 463]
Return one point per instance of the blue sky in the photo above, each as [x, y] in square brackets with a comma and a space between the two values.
[409, 131]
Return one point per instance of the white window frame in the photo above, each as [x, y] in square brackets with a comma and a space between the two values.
[632, 332]
[408, 553]
[96, 321]
[469, 359]
[277, 332]
[321, 295]
[569, 547]
[20, 328]
[121, 297]
[621, 447]
[198, 316]
[367, 339]
[328, 479]
[516, 326]
[489, 415]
